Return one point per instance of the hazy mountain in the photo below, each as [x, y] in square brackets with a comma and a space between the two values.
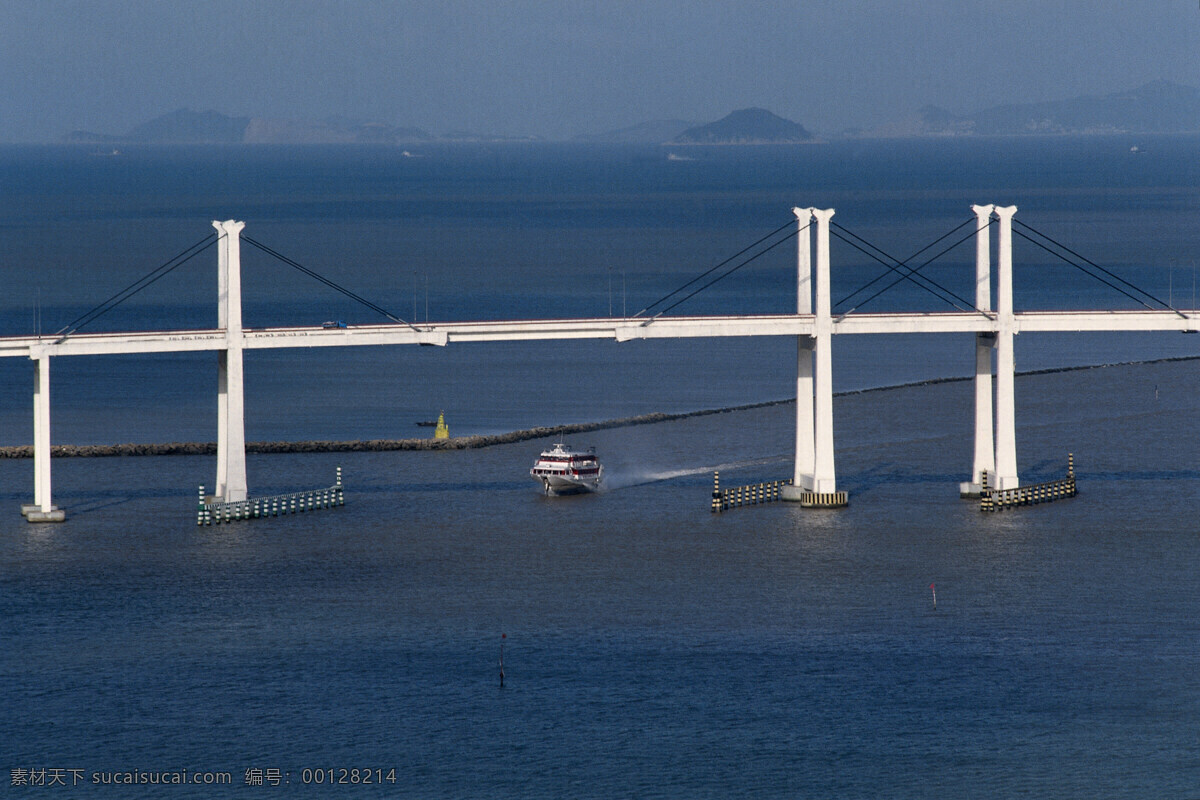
[177, 127]
[210, 127]
[474, 136]
[334, 130]
[1158, 107]
[653, 132]
[191, 126]
[747, 126]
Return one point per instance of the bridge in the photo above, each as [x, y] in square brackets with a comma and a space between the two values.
[814, 324]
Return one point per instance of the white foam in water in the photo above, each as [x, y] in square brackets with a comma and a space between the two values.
[623, 478]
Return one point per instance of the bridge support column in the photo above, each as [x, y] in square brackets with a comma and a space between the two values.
[823, 471]
[814, 423]
[1006, 413]
[985, 345]
[802, 473]
[43, 508]
[231, 421]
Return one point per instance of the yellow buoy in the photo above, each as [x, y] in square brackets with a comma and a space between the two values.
[441, 431]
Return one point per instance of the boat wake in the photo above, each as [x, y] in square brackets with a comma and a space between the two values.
[618, 477]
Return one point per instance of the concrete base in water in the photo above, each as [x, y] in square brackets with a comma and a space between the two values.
[34, 513]
[810, 499]
[969, 491]
[793, 494]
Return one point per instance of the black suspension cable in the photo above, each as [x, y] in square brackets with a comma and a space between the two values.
[1094, 265]
[903, 264]
[910, 276]
[712, 270]
[357, 298]
[129, 291]
[729, 272]
[1109, 284]
[970, 305]
[892, 263]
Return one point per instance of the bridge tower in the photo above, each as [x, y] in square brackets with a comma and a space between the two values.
[805, 439]
[995, 422]
[985, 346]
[231, 418]
[42, 509]
[1006, 412]
[814, 473]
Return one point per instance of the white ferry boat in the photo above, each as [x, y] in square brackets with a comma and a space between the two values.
[563, 471]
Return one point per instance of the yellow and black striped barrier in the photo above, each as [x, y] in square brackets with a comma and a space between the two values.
[750, 495]
[824, 499]
[1034, 494]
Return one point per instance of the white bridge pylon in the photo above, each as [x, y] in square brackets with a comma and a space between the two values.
[812, 325]
[231, 417]
[814, 456]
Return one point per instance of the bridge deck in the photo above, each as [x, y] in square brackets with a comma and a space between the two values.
[619, 329]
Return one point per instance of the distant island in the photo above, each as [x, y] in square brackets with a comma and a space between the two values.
[1157, 107]
[747, 126]
[185, 126]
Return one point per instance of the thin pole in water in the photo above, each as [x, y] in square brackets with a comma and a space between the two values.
[933, 589]
[503, 636]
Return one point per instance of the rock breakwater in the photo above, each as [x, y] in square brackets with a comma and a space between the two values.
[365, 445]
[483, 440]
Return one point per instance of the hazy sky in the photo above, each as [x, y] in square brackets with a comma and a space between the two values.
[560, 68]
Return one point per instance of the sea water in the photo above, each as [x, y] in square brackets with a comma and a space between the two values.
[651, 648]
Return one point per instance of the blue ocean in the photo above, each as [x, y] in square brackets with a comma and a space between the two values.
[651, 648]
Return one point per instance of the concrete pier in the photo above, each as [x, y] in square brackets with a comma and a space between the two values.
[231, 419]
[814, 473]
[231, 437]
[1006, 329]
[42, 509]
[805, 442]
[985, 346]
[995, 423]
